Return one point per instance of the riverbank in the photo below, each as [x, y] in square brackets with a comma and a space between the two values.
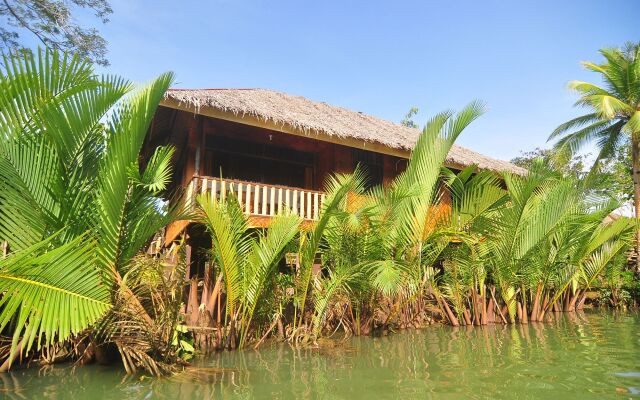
[583, 355]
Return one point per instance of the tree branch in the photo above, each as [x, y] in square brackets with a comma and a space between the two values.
[23, 23]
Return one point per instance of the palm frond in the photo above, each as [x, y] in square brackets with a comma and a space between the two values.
[264, 258]
[424, 168]
[337, 187]
[574, 123]
[30, 84]
[128, 127]
[50, 294]
[390, 277]
[157, 172]
[230, 244]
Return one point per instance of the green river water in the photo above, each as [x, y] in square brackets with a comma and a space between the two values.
[592, 355]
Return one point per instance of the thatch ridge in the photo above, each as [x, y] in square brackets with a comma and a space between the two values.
[310, 116]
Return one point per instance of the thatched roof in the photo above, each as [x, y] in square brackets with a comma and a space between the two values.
[312, 117]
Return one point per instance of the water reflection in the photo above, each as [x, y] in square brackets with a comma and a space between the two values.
[593, 355]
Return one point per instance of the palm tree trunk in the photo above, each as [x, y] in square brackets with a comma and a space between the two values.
[452, 318]
[635, 161]
[491, 316]
[132, 300]
[6, 365]
[535, 310]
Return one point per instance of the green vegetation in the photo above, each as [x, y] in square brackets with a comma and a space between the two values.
[78, 207]
[508, 249]
[54, 23]
[613, 122]
[75, 209]
[408, 121]
[613, 177]
[246, 262]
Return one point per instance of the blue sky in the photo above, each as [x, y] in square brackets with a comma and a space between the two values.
[383, 57]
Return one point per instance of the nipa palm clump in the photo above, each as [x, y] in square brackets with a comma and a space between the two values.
[76, 206]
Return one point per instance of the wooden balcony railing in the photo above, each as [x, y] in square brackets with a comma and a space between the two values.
[258, 199]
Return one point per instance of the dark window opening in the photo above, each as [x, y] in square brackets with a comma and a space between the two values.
[257, 162]
[372, 164]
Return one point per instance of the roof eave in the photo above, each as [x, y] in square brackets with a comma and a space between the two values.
[252, 120]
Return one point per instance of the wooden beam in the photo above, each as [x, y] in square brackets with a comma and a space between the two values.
[199, 147]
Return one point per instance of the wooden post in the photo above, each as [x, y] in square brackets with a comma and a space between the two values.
[192, 144]
[302, 204]
[214, 190]
[190, 191]
[187, 251]
[280, 201]
[240, 195]
[193, 308]
[309, 216]
[264, 200]
[316, 199]
[197, 161]
[272, 205]
[287, 196]
[256, 200]
[248, 200]
[295, 202]
[207, 287]
[198, 145]
[205, 186]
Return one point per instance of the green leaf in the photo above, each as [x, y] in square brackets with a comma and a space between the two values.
[50, 293]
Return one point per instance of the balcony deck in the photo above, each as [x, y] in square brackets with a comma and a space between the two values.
[259, 199]
[261, 202]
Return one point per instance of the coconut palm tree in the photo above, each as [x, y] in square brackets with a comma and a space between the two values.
[75, 204]
[614, 117]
